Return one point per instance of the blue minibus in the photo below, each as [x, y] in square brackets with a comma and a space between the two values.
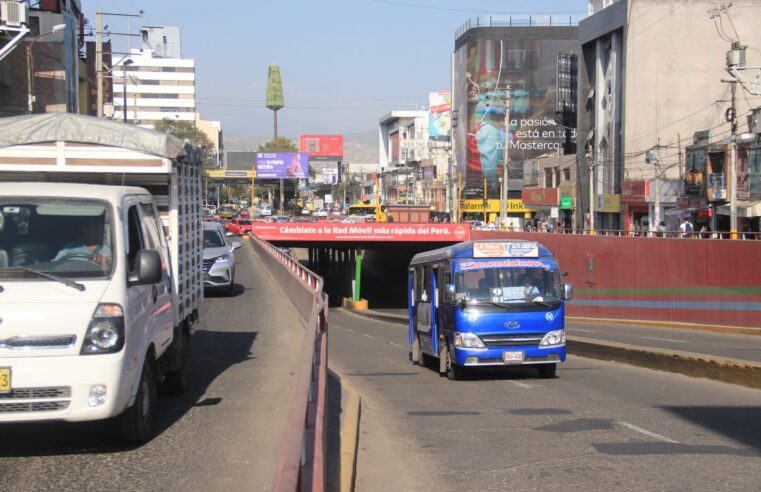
[487, 303]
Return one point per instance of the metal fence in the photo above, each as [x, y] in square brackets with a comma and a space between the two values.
[301, 460]
[627, 233]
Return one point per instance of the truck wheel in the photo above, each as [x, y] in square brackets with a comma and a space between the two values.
[454, 372]
[547, 371]
[176, 381]
[135, 425]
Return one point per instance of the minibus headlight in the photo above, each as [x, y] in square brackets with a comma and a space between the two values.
[105, 334]
[554, 337]
[467, 340]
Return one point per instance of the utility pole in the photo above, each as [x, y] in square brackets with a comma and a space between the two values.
[591, 167]
[652, 157]
[504, 197]
[734, 58]
[99, 59]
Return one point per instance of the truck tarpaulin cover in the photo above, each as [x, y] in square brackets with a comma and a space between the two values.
[55, 127]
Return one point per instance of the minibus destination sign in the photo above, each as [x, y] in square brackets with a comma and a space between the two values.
[506, 249]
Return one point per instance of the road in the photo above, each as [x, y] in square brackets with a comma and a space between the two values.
[224, 433]
[718, 345]
[597, 426]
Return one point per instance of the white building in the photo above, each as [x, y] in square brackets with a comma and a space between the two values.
[157, 88]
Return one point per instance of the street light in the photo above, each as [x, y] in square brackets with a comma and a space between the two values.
[29, 65]
[125, 63]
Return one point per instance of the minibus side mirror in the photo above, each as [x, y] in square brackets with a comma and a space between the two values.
[449, 295]
[568, 292]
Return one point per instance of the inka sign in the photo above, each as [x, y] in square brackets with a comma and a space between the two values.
[366, 232]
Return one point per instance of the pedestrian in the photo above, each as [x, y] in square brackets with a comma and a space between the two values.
[661, 229]
[548, 225]
[686, 228]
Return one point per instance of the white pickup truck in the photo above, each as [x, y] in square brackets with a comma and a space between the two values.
[100, 269]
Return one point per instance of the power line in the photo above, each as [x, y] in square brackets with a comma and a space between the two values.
[450, 9]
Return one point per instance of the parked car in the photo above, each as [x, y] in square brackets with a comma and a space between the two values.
[218, 259]
[302, 219]
[321, 213]
[278, 218]
[239, 227]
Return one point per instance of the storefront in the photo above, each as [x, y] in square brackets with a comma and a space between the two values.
[516, 211]
[634, 198]
[567, 206]
[546, 201]
[610, 206]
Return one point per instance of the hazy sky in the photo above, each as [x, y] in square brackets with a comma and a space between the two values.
[344, 63]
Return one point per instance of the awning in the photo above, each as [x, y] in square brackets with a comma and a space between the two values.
[744, 209]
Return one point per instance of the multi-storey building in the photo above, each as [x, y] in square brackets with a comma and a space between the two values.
[650, 77]
[152, 88]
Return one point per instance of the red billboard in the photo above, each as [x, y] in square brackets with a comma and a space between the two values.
[322, 147]
[635, 191]
[548, 197]
[381, 232]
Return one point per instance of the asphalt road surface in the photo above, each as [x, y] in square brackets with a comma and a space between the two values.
[224, 433]
[597, 426]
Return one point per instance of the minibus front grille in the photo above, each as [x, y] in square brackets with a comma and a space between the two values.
[512, 340]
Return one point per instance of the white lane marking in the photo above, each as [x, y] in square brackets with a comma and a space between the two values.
[396, 344]
[579, 329]
[349, 330]
[368, 336]
[664, 339]
[647, 432]
[522, 385]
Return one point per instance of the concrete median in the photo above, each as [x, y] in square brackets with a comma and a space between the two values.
[734, 371]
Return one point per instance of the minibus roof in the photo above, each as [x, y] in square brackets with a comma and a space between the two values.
[465, 250]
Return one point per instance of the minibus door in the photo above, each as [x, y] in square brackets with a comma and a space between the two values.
[423, 306]
[434, 307]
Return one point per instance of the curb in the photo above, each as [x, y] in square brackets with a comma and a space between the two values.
[349, 434]
[733, 371]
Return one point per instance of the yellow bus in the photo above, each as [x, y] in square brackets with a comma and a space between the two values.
[376, 211]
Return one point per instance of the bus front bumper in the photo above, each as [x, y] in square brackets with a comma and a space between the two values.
[509, 356]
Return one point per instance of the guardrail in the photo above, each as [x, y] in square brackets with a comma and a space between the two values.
[301, 460]
[628, 233]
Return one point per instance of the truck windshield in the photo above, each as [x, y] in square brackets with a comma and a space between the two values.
[64, 237]
[509, 285]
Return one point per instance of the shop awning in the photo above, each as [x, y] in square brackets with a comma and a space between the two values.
[744, 209]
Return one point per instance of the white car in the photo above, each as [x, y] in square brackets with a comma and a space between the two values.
[218, 258]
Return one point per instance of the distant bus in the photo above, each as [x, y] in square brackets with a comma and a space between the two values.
[370, 210]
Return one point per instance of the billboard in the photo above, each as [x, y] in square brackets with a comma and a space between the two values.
[440, 115]
[272, 165]
[487, 133]
[322, 147]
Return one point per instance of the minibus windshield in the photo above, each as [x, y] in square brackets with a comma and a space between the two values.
[508, 284]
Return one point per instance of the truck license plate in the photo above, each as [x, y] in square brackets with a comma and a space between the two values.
[512, 357]
[5, 380]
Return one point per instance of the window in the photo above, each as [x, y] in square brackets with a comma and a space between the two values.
[150, 227]
[134, 236]
[567, 174]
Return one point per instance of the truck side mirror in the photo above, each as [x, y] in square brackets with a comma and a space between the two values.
[568, 292]
[147, 268]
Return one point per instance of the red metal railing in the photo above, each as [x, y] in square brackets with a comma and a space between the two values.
[301, 460]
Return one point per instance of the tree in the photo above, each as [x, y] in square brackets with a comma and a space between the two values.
[279, 144]
[187, 131]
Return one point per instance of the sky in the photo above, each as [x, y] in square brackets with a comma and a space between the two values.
[344, 63]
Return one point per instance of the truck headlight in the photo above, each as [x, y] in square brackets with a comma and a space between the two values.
[554, 337]
[105, 334]
[467, 340]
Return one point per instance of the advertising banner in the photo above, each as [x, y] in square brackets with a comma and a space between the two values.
[548, 197]
[381, 232]
[635, 191]
[440, 115]
[322, 147]
[485, 133]
[492, 205]
[273, 165]
[608, 203]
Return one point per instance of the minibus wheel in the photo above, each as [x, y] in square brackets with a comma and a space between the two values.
[454, 372]
[547, 371]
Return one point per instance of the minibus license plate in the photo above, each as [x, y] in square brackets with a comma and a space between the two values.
[5, 380]
[512, 357]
